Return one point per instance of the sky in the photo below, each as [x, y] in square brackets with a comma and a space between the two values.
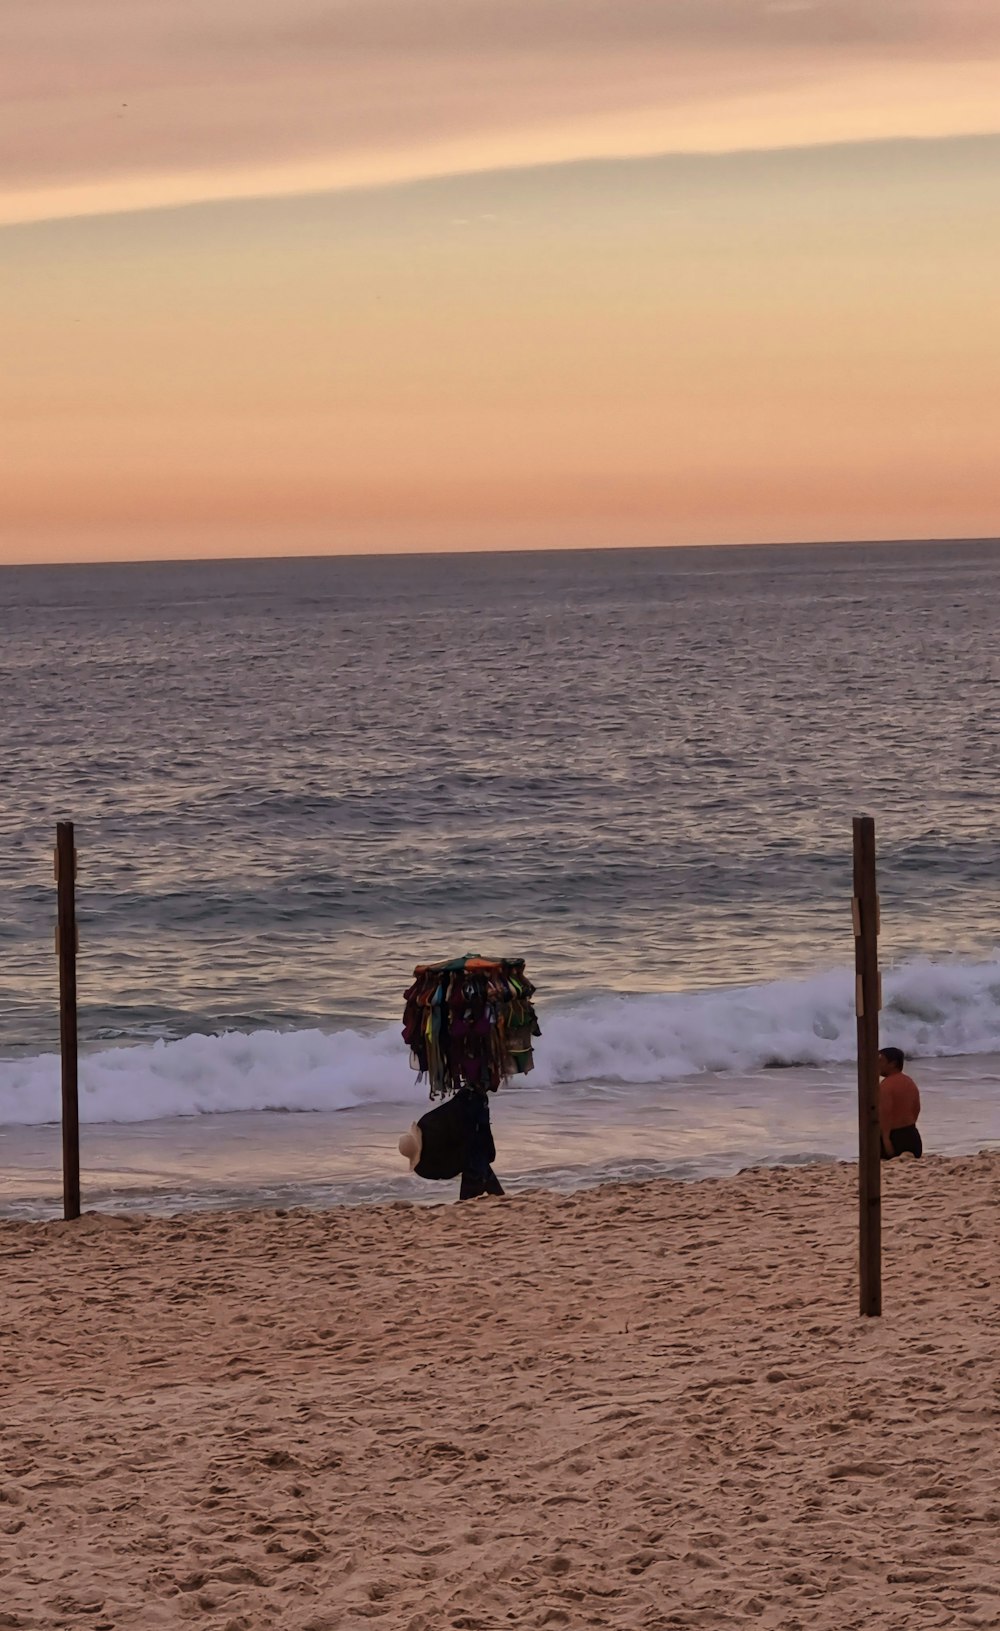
[281, 276]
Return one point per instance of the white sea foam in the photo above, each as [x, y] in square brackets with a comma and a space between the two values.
[931, 1010]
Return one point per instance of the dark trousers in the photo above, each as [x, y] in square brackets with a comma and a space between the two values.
[904, 1141]
[478, 1177]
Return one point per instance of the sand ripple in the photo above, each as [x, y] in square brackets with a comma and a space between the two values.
[647, 1406]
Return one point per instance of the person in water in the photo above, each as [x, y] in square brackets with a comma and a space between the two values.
[898, 1107]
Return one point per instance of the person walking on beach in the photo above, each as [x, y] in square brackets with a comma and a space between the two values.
[470, 1025]
[898, 1107]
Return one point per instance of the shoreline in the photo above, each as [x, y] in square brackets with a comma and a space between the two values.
[426, 1197]
[642, 1404]
[562, 1139]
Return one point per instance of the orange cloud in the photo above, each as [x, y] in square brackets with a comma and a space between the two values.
[110, 107]
[778, 345]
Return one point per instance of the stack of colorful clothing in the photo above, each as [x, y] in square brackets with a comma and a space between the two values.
[470, 1023]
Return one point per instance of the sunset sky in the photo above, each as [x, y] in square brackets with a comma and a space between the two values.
[290, 277]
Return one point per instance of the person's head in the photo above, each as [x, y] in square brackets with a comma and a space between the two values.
[890, 1059]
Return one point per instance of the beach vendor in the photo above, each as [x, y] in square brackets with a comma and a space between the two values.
[898, 1107]
[470, 1026]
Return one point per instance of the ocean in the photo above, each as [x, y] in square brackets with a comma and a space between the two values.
[292, 780]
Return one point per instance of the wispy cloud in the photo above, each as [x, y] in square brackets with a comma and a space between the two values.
[112, 106]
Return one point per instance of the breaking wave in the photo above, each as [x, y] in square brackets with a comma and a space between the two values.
[931, 1010]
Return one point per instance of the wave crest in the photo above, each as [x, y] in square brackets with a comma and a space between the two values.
[931, 1009]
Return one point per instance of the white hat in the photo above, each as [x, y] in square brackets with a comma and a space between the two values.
[411, 1144]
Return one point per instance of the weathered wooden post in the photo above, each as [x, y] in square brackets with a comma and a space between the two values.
[66, 952]
[868, 1001]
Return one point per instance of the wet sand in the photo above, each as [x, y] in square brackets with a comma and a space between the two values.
[565, 1138]
[635, 1406]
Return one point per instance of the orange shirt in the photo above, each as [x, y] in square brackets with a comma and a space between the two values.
[898, 1102]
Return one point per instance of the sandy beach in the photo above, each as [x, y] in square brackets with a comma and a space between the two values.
[638, 1406]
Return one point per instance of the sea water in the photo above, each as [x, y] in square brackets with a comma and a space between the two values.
[292, 780]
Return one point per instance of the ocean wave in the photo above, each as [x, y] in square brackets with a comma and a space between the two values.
[932, 1009]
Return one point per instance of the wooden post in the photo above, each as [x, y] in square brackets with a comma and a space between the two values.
[66, 951]
[868, 1001]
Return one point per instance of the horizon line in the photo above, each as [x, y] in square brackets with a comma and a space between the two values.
[548, 549]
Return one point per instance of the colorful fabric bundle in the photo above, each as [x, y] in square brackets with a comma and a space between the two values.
[470, 1023]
